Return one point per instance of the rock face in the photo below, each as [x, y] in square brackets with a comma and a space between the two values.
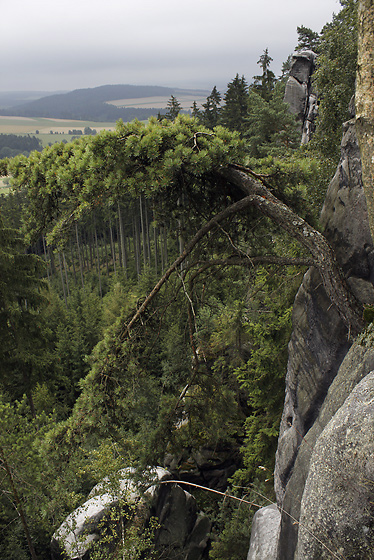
[265, 532]
[207, 466]
[337, 505]
[329, 388]
[299, 94]
[183, 533]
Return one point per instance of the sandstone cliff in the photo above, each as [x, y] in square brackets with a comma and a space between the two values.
[324, 475]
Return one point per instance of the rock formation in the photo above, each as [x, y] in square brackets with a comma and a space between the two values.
[299, 92]
[183, 532]
[324, 475]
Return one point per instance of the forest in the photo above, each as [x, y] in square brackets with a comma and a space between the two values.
[146, 290]
[12, 145]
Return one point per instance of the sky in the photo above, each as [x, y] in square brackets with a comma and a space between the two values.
[54, 45]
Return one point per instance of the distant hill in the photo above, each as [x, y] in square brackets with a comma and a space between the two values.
[93, 103]
[11, 98]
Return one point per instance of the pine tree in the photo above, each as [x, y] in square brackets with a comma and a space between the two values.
[334, 78]
[235, 108]
[264, 83]
[173, 108]
[271, 128]
[307, 39]
[211, 109]
[23, 342]
[195, 111]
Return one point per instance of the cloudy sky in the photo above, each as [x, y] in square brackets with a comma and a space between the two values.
[68, 44]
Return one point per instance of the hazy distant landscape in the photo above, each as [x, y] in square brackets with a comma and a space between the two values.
[30, 125]
[103, 104]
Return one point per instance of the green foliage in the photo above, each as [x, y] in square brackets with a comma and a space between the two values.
[307, 39]
[234, 523]
[13, 144]
[23, 354]
[271, 128]
[268, 328]
[264, 84]
[300, 179]
[173, 108]
[23, 499]
[65, 181]
[234, 111]
[211, 113]
[212, 344]
[335, 77]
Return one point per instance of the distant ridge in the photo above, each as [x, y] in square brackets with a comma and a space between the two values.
[91, 103]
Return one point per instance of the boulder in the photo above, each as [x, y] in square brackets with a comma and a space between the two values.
[265, 532]
[296, 96]
[337, 505]
[183, 533]
[356, 365]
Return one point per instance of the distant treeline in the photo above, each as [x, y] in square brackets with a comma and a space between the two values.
[12, 145]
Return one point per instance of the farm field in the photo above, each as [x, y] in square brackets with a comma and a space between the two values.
[160, 102]
[49, 130]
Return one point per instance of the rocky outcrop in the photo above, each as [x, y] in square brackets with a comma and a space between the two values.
[183, 531]
[325, 375]
[265, 533]
[299, 94]
[337, 505]
[208, 466]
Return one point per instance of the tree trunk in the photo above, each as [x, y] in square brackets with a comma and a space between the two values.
[45, 256]
[66, 273]
[143, 228]
[333, 279]
[365, 100]
[62, 280]
[18, 503]
[79, 254]
[112, 246]
[97, 256]
[122, 241]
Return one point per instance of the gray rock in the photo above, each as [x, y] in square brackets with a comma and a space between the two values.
[356, 365]
[319, 340]
[337, 505]
[207, 466]
[296, 96]
[344, 213]
[302, 65]
[265, 532]
[183, 533]
[317, 347]
[83, 526]
[317, 381]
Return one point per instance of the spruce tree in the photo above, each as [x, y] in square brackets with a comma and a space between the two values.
[235, 108]
[264, 83]
[211, 109]
[23, 342]
[173, 108]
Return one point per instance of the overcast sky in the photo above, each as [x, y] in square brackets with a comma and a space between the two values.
[70, 44]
